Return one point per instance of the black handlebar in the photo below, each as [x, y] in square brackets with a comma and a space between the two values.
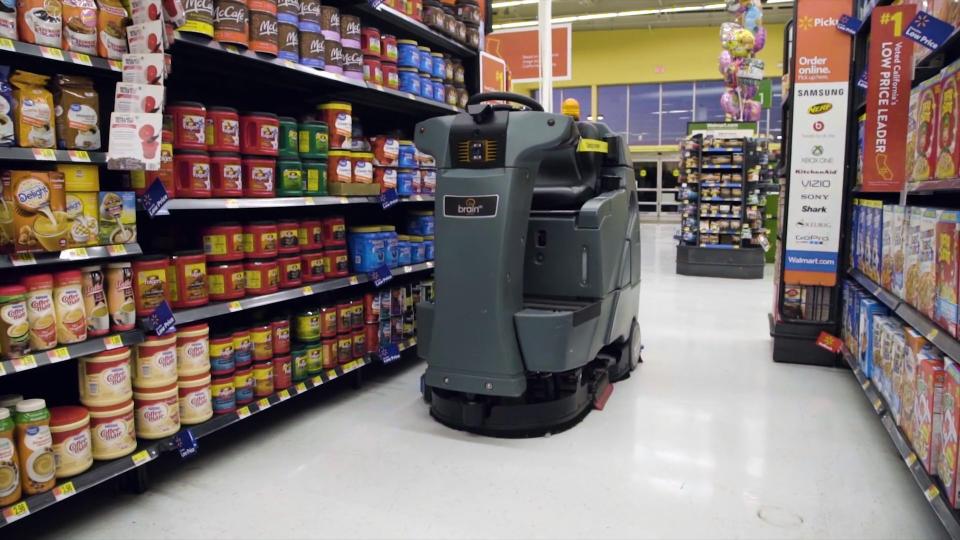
[505, 96]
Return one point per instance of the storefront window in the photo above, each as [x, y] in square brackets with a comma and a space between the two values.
[644, 117]
[612, 104]
[676, 110]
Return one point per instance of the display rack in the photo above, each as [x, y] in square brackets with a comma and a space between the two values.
[62, 354]
[731, 206]
[279, 202]
[72, 255]
[148, 451]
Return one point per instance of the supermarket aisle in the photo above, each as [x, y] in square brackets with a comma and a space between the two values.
[709, 439]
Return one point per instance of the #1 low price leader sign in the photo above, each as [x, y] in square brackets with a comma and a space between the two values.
[888, 99]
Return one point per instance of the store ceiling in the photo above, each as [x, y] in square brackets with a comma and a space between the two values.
[772, 13]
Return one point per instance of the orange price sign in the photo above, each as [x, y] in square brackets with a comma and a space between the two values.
[829, 342]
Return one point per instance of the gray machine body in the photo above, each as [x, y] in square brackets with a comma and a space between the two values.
[526, 288]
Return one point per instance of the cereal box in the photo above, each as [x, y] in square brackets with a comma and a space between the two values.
[915, 348]
[950, 416]
[947, 147]
[927, 276]
[925, 156]
[897, 251]
[946, 308]
[898, 350]
[881, 346]
[911, 254]
[912, 123]
[887, 242]
[926, 412]
[876, 240]
[870, 310]
[854, 221]
[40, 221]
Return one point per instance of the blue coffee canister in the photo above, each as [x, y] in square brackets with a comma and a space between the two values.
[426, 61]
[404, 254]
[407, 157]
[426, 87]
[438, 90]
[408, 55]
[409, 80]
[405, 181]
[428, 248]
[438, 67]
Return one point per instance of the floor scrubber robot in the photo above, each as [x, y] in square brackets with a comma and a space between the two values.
[538, 268]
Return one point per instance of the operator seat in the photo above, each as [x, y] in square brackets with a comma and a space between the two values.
[567, 179]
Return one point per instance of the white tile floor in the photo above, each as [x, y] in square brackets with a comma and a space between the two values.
[710, 439]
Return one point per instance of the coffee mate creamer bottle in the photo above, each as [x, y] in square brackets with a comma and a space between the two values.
[69, 306]
[9, 468]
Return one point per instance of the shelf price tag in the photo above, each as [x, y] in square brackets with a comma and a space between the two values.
[115, 65]
[389, 353]
[931, 492]
[79, 155]
[318, 380]
[7, 44]
[3, 370]
[309, 201]
[141, 457]
[51, 53]
[381, 276]
[925, 29]
[283, 395]
[349, 366]
[263, 404]
[112, 342]
[910, 459]
[24, 363]
[243, 412]
[932, 334]
[354, 280]
[307, 291]
[115, 250]
[407, 269]
[848, 24]
[155, 198]
[64, 491]
[80, 58]
[231, 203]
[161, 321]
[234, 306]
[17, 511]
[389, 198]
[300, 387]
[74, 254]
[58, 355]
[429, 264]
[45, 154]
[865, 385]
[877, 405]
[332, 374]
[22, 259]
[344, 200]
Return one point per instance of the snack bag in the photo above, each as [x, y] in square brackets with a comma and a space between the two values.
[947, 154]
[946, 309]
[78, 113]
[80, 26]
[112, 22]
[40, 22]
[8, 19]
[33, 110]
[7, 136]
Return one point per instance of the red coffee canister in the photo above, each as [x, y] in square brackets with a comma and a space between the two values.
[288, 236]
[290, 271]
[226, 281]
[188, 284]
[311, 266]
[388, 48]
[328, 321]
[372, 71]
[370, 41]
[359, 339]
[339, 263]
[371, 307]
[189, 125]
[226, 175]
[259, 176]
[339, 166]
[391, 77]
[281, 335]
[262, 276]
[344, 318]
[259, 133]
[223, 242]
[372, 336]
[334, 232]
[223, 129]
[282, 372]
[310, 234]
[191, 173]
[260, 240]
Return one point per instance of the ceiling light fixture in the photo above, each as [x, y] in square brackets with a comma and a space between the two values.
[612, 15]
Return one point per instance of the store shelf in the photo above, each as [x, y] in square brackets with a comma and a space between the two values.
[927, 483]
[224, 308]
[939, 337]
[721, 199]
[720, 184]
[94, 253]
[53, 156]
[934, 186]
[720, 216]
[10, 49]
[718, 246]
[150, 450]
[721, 150]
[721, 167]
[62, 354]
[407, 28]
[278, 202]
[198, 52]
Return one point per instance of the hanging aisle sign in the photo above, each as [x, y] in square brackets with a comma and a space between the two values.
[888, 99]
[819, 141]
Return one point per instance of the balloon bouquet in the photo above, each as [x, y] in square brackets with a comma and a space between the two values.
[741, 70]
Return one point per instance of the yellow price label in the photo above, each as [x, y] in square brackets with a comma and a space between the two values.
[3, 370]
[931, 492]
[300, 387]
[231, 203]
[234, 306]
[112, 342]
[51, 53]
[79, 155]
[910, 459]
[429, 264]
[331, 374]
[865, 385]
[58, 355]
[309, 201]
[231, 48]
[876, 404]
[115, 65]
[344, 200]
[17, 511]
[407, 269]
[932, 334]
[349, 366]
[24, 363]
[63, 491]
[73, 254]
[283, 395]
[80, 58]
[354, 280]
[116, 249]
[22, 259]
[317, 381]
[7, 44]
[263, 403]
[141, 457]
[308, 290]
[44, 154]
[243, 412]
